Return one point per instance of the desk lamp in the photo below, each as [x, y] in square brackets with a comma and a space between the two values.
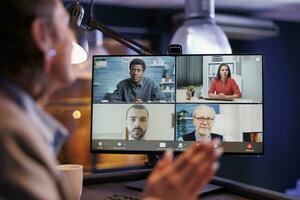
[76, 14]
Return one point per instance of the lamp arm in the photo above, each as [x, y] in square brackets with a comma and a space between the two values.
[131, 44]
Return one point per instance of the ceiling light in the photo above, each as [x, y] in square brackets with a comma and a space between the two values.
[199, 34]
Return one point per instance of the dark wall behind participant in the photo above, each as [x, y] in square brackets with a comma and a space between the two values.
[279, 168]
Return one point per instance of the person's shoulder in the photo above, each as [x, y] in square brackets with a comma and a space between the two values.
[191, 133]
[189, 136]
[11, 113]
[215, 80]
[14, 121]
[124, 81]
[231, 80]
[215, 136]
[18, 129]
[148, 80]
[21, 143]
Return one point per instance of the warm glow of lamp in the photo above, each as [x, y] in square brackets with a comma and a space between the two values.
[79, 55]
[76, 114]
[80, 45]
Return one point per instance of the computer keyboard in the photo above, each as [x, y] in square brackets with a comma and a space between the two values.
[140, 185]
[121, 197]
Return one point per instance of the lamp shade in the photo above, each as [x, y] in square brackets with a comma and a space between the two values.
[199, 34]
[80, 46]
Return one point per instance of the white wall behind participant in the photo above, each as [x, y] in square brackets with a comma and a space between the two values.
[251, 70]
[233, 120]
[109, 121]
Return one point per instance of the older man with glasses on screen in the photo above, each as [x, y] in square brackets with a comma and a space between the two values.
[203, 120]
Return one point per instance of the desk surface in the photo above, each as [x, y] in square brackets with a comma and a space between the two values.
[102, 186]
[239, 100]
[104, 191]
[181, 97]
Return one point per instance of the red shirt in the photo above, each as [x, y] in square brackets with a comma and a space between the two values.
[229, 88]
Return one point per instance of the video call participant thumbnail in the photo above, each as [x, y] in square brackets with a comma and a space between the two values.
[223, 86]
[203, 120]
[137, 88]
[136, 122]
[252, 137]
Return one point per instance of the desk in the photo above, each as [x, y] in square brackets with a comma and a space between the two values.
[181, 97]
[239, 100]
[103, 191]
[101, 186]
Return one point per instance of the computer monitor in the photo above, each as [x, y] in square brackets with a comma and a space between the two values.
[146, 104]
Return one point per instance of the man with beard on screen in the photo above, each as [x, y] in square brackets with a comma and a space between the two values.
[136, 122]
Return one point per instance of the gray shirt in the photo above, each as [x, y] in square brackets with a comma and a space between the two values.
[127, 91]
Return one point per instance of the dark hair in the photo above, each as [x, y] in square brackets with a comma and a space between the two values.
[137, 61]
[18, 51]
[137, 106]
[219, 69]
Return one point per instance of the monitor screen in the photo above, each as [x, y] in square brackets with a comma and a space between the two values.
[143, 104]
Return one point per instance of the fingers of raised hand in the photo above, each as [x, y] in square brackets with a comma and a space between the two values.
[196, 165]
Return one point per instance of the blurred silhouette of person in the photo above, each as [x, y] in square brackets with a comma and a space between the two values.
[35, 55]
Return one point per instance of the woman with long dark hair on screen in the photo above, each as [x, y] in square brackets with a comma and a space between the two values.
[223, 86]
[35, 52]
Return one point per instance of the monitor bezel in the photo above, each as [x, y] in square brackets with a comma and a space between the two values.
[98, 151]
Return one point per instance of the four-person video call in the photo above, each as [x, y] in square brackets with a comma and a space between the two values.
[150, 103]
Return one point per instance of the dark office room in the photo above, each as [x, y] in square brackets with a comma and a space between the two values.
[179, 48]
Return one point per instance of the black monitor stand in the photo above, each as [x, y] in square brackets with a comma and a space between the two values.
[152, 160]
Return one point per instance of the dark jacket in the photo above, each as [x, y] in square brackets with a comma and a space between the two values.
[191, 136]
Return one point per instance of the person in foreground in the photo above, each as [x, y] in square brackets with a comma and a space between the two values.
[223, 86]
[35, 50]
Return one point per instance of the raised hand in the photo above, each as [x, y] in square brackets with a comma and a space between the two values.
[184, 177]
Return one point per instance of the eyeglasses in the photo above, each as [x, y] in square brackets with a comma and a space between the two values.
[202, 119]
